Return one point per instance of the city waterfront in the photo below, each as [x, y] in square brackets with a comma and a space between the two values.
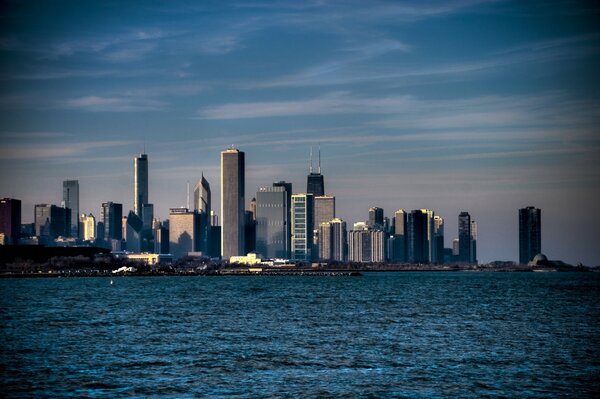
[408, 334]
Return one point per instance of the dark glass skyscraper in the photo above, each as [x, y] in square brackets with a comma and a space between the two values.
[71, 201]
[464, 237]
[530, 233]
[140, 183]
[315, 184]
[112, 215]
[417, 243]
[272, 239]
[232, 203]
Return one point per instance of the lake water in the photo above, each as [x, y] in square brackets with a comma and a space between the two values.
[414, 335]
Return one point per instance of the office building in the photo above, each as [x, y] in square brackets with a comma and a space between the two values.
[400, 237]
[474, 242]
[438, 240]
[253, 208]
[530, 233]
[464, 237]
[302, 227]
[315, 184]
[71, 201]
[232, 203]
[140, 183]
[366, 245]
[288, 190]
[429, 231]
[249, 232]
[272, 239]
[112, 216]
[134, 233]
[89, 227]
[324, 209]
[417, 241]
[184, 229]
[203, 205]
[52, 221]
[339, 240]
[10, 219]
[375, 218]
[325, 241]
[161, 237]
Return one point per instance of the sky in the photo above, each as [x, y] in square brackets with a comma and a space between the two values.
[478, 106]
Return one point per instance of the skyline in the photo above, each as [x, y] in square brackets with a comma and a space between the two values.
[477, 106]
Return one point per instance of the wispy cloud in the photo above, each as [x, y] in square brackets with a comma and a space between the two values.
[47, 151]
[113, 104]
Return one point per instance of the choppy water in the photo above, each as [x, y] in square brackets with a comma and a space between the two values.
[418, 335]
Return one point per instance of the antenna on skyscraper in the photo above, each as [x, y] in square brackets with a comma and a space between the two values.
[188, 195]
[310, 164]
[319, 158]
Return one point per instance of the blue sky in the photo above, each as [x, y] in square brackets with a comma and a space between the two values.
[483, 106]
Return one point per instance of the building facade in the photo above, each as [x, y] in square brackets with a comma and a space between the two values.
[184, 230]
[272, 224]
[464, 237]
[112, 215]
[302, 227]
[71, 201]
[10, 219]
[140, 183]
[530, 233]
[52, 221]
[232, 203]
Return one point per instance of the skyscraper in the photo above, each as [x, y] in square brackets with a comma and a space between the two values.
[302, 227]
[89, 227]
[315, 184]
[473, 242]
[464, 237]
[530, 233]
[203, 205]
[325, 241]
[272, 239]
[375, 218]
[112, 215]
[133, 232]
[324, 209]
[438, 240]
[339, 240]
[232, 203]
[366, 245]
[140, 183]
[417, 242]
[71, 201]
[400, 236]
[52, 221]
[288, 190]
[184, 227]
[428, 248]
[10, 219]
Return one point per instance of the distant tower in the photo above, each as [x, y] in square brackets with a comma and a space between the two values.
[232, 203]
[89, 227]
[324, 209]
[339, 240]
[184, 228]
[530, 233]
[315, 184]
[464, 237]
[438, 240]
[71, 201]
[474, 242]
[140, 183]
[288, 222]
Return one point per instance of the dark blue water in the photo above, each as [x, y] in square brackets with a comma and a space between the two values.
[419, 335]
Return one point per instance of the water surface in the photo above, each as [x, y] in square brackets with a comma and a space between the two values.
[414, 335]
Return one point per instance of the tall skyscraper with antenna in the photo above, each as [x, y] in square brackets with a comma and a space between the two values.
[315, 184]
[140, 183]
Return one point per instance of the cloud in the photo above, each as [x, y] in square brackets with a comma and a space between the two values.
[113, 104]
[40, 151]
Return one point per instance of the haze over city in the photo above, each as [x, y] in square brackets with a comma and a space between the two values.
[478, 106]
